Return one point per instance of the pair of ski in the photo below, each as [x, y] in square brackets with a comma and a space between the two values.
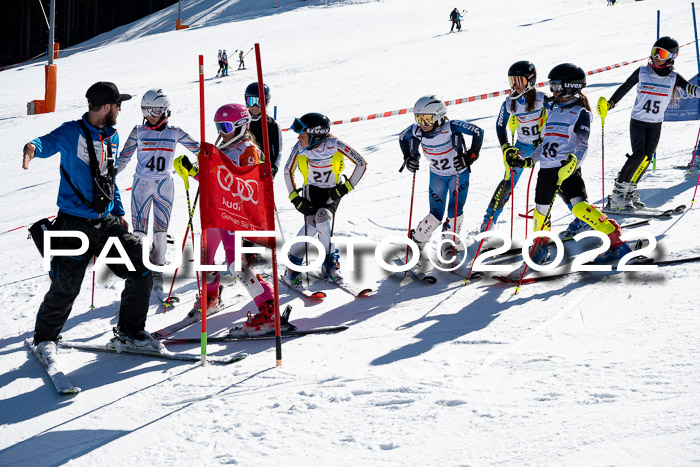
[287, 330]
[648, 213]
[640, 261]
[320, 295]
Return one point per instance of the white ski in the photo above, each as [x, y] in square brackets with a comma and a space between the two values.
[59, 380]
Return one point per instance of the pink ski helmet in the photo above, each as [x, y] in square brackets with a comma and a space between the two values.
[232, 118]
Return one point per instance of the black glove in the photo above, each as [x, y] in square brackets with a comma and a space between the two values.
[411, 163]
[611, 105]
[510, 154]
[519, 162]
[463, 161]
[536, 143]
[186, 163]
[274, 170]
[340, 190]
[301, 204]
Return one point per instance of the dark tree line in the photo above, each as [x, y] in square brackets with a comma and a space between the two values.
[24, 33]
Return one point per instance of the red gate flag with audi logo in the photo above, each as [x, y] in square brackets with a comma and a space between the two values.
[235, 198]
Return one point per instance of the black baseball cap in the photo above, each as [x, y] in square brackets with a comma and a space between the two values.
[103, 92]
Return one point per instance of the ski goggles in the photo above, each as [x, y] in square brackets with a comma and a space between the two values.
[556, 86]
[661, 54]
[517, 81]
[224, 127]
[154, 112]
[298, 127]
[251, 101]
[425, 119]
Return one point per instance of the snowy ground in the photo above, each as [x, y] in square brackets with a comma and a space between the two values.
[588, 370]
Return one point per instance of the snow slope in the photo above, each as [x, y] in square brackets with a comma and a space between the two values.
[597, 369]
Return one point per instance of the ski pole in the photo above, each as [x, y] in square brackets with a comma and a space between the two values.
[564, 172]
[696, 190]
[184, 242]
[410, 216]
[497, 202]
[92, 302]
[513, 124]
[603, 111]
[454, 227]
[527, 199]
[695, 152]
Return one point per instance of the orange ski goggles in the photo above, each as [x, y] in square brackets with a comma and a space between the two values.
[661, 54]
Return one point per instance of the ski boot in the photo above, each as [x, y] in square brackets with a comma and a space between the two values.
[617, 249]
[633, 196]
[47, 352]
[331, 267]
[293, 277]
[213, 302]
[618, 200]
[141, 341]
[576, 226]
[261, 323]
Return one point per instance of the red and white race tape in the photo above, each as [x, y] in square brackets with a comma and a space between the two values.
[480, 97]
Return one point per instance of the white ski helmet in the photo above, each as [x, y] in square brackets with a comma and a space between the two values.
[155, 104]
[427, 106]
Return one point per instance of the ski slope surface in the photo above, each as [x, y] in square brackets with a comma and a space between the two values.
[590, 369]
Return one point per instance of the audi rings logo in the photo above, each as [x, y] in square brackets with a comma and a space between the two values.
[247, 190]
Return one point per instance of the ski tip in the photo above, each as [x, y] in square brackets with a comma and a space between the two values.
[365, 293]
[318, 295]
[430, 280]
[72, 391]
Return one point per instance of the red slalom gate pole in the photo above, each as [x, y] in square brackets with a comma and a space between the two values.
[203, 295]
[268, 180]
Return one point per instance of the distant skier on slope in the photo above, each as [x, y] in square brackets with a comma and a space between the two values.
[657, 84]
[224, 59]
[154, 142]
[241, 63]
[220, 58]
[456, 18]
[320, 157]
[450, 161]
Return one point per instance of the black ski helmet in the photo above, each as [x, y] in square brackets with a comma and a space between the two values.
[669, 44]
[527, 70]
[568, 79]
[253, 91]
[316, 125]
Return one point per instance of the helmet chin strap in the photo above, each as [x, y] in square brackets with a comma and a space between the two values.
[161, 123]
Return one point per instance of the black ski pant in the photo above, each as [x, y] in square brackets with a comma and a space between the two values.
[644, 137]
[546, 188]
[67, 274]
[456, 23]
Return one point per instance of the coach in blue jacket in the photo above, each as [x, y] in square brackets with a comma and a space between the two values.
[80, 210]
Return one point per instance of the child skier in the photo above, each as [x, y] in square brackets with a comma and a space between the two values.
[252, 102]
[224, 60]
[444, 148]
[235, 141]
[154, 141]
[320, 157]
[656, 86]
[528, 105]
[563, 150]
[241, 63]
[220, 58]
